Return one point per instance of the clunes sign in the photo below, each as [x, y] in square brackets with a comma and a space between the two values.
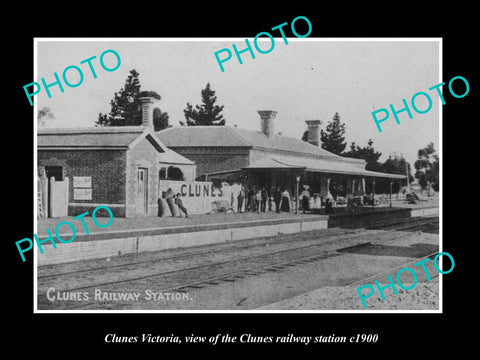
[198, 196]
[194, 188]
[200, 190]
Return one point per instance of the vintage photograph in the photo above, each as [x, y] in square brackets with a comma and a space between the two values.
[238, 175]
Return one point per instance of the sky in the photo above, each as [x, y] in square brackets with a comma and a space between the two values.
[308, 78]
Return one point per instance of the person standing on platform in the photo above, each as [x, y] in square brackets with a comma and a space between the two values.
[317, 203]
[240, 197]
[277, 198]
[258, 200]
[169, 195]
[264, 200]
[329, 203]
[350, 204]
[270, 199]
[251, 200]
[285, 206]
[305, 199]
[179, 202]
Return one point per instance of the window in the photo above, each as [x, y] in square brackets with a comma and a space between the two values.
[54, 171]
[162, 174]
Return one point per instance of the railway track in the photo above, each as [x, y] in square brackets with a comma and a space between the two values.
[203, 250]
[266, 255]
[401, 224]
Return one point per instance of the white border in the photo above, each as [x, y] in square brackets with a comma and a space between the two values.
[307, 39]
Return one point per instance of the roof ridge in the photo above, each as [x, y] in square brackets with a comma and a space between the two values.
[238, 135]
[91, 130]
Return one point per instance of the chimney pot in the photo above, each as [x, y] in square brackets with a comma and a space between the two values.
[313, 132]
[267, 117]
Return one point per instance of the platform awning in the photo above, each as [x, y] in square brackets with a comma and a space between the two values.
[317, 165]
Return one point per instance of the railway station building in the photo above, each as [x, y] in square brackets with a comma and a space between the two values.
[265, 159]
[81, 168]
[128, 168]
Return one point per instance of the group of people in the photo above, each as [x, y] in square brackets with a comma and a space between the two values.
[317, 202]
[258, 200]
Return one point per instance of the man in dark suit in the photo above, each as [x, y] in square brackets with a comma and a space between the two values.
[240, 197]
[264, 200]
[277, 198]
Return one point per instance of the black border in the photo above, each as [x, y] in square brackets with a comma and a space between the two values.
[407, 334]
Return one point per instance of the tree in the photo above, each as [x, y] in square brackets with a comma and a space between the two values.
[366, 153]
[126, 108]
[206, 114]
[333, 138]
[44, 114]
[427, 166]
[124, 105]
[305, 136]
[371, 156]
[160, 120]
[396, 164]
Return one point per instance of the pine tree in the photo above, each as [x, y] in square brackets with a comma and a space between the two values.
[206, 114]
[333, 138]
[125, 106]
[367, 153]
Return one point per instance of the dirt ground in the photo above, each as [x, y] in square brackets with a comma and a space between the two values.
[424, 296]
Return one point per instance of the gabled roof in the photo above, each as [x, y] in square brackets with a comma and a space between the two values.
[101, 137]
[201, 136]
[226, 136]
[105, 138]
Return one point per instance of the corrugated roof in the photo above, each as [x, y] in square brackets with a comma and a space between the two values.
[220, 136]
[317, 165]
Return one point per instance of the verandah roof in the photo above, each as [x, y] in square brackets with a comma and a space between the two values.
[316, 165]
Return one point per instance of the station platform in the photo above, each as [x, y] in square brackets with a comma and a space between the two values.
[126, 236]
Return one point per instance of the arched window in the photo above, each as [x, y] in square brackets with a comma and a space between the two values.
[175, 173]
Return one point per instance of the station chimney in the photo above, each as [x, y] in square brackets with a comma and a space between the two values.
[313, 132]
[267, 117]
[147, 111]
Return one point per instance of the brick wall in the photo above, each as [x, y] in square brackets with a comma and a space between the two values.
[105, 167]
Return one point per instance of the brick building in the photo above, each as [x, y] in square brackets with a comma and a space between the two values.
[263, 158]
[119, 167]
